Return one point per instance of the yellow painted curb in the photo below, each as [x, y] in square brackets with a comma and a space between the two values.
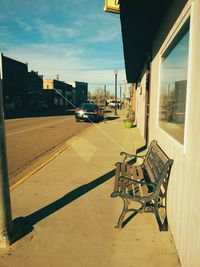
[20, 181]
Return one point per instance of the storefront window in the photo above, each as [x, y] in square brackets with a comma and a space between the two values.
[173, 86]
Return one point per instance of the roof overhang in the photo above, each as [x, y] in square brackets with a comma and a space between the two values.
[140, 21]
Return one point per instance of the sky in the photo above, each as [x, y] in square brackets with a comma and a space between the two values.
[75, 39]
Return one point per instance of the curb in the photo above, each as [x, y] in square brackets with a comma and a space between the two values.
[70, 142]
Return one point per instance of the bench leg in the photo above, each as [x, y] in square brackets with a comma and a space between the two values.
[124, 211]
[161, 218]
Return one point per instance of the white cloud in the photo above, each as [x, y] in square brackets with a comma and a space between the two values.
[25, 26]
[104, 36]
[3, 33]
[54, 26]
[54, 31]
[67, 61]
[80, 23]
[41, 55]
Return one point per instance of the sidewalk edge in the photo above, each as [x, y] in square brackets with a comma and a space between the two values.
[69, 143]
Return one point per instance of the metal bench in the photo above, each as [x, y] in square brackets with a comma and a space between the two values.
[144, 184]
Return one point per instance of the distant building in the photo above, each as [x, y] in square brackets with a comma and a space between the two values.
[35, 89]
[15, 82]
[57, 93]
[80, 92]
[180, 91]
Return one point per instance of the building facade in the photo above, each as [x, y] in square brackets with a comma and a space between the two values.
[15, 83]
[35, 90]
[80, 92]
[168, 102]
[27, 90]
[57, 93]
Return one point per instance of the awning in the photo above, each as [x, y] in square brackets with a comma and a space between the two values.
[140, 20]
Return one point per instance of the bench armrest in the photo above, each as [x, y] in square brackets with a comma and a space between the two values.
[127, 155]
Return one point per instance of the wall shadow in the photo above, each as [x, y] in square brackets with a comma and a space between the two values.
[111, 118]
[24, 225]
[18, 114]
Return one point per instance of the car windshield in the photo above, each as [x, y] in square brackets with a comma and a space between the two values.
[90, 106]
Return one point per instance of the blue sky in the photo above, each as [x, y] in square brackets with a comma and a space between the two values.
[73, 38]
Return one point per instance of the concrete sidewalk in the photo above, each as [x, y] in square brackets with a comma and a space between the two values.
[67, 216]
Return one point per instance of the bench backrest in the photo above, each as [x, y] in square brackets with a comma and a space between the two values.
[156, 163]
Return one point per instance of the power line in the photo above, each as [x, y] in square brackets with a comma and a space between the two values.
[121, 83]
[81, 69]
[100, 84]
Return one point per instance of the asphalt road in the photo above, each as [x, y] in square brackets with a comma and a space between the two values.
[30, 141]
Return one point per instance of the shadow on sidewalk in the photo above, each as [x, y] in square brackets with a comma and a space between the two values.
[141, 149]
[111, 118]
[24, 225]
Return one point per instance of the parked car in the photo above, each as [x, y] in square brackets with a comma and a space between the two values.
[112, 103]
[88, 112]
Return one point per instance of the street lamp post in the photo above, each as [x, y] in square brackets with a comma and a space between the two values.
[105, 103]
[115, 72]
[120, 96]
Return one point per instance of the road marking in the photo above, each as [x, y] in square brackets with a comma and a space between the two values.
[36, 127]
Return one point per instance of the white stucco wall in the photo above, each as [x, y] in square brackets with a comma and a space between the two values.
[141, 106]
[184, 186]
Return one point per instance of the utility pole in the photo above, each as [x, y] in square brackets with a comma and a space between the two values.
[105, 103]
[125, 93]
[120, 96]
[6, 224]
[115, 72]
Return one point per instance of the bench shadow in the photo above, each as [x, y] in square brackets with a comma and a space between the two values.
[141, 149]
[111, 118]
[24, 225]
[130, 217]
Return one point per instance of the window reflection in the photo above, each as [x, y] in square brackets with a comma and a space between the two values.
[173, 86]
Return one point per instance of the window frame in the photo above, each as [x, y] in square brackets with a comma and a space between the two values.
[175, 31]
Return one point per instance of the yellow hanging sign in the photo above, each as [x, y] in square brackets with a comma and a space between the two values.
[112, 6]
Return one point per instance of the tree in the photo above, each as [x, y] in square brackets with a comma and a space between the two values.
[99, 96]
